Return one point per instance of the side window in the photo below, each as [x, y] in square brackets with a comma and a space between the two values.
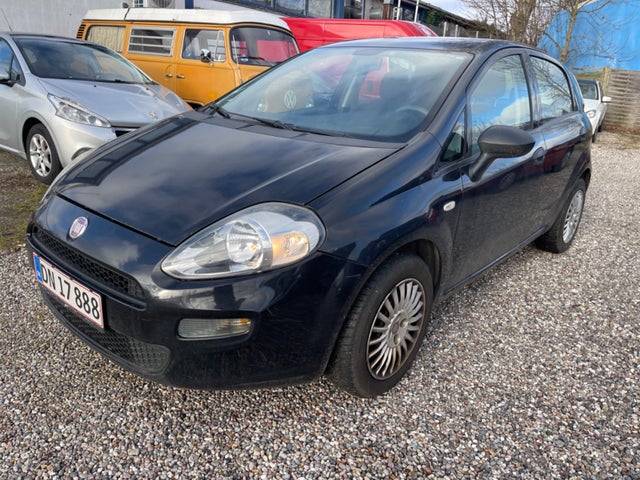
[196, 40]
[153, 41]
[501, 97]
[6, 56]
[555, 94]
[8, 61]
[108, 36]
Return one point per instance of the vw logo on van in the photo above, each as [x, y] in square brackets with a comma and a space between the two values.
[78, 227]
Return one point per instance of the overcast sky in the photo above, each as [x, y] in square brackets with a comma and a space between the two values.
[454, 6]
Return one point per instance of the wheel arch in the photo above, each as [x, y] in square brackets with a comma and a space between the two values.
[26, 127]
[423, 248]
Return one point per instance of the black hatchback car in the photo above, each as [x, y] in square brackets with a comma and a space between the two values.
[307, 222]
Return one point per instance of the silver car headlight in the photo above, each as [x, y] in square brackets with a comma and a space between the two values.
[74, 112]
[591, 113]
[257, 239]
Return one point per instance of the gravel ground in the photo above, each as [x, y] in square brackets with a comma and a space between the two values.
[533, 371]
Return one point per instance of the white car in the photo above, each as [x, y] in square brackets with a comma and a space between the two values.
[61, 98]
[595, 104]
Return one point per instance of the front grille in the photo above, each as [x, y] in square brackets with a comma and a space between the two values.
[146, 358]
[99, 273]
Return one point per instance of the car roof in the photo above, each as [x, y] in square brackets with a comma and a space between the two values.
[472, 45]
[54, 38]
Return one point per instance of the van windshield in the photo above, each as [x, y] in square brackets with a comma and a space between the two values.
[77, 61]
[374, 93]
[261, 46]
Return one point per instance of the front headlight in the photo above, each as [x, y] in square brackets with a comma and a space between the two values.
[74, 112]
[257, 239]
[591, 113]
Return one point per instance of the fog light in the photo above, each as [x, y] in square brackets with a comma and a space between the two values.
[210, 328]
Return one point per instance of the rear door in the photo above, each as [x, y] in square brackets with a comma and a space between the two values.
[500, 210]
[564, 129]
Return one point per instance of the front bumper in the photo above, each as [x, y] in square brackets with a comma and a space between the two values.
[296, 313]
[75, 140]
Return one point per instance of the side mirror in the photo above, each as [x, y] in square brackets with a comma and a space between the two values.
[606, 99]
[205, 56]
[500, 141]
[4, 77]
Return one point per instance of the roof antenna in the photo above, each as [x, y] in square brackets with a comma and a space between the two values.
[6, 19]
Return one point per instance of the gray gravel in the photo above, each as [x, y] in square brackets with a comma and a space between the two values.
[531, 372]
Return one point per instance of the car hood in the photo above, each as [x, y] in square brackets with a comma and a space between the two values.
[123, 104]
[183, 174]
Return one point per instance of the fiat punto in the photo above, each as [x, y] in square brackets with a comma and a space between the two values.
[306, 223]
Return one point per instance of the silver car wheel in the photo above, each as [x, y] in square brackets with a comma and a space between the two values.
[572, 218]
[396, 329]
[40, 155]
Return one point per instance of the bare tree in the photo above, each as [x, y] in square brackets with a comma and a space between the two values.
[519, 20]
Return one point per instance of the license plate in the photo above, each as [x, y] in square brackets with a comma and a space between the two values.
[83, 300]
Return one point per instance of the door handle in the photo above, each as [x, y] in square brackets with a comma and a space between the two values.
[168, 75]
[538, 155]
[179, 76]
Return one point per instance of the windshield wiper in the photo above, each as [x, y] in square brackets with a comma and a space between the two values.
[214, 108]
[275, 123]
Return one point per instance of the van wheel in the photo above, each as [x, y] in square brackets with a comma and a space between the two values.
[559, 238]
[385, 328]
[42, 154]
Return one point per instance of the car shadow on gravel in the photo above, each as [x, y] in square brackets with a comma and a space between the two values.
[20, 193]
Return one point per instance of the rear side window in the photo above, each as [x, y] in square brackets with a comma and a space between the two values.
[152, 41]
[555, 94]
[108, 36]
[196, 40]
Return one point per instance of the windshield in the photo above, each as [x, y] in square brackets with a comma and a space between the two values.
[77, 61]
[371, 93]
[589, 89]
[261, 46]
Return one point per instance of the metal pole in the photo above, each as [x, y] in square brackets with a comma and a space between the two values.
[398, 12]
[415, 15]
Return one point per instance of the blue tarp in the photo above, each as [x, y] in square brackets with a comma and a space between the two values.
[606, 34]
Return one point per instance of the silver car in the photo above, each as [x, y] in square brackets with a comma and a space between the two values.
[60, 98]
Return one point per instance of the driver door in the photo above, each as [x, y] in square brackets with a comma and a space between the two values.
[9, 98]
[500, 210]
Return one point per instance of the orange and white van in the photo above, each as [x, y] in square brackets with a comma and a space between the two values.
[199, 54]
[313, 32]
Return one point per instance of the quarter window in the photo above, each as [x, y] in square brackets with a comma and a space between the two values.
[501, 97]
[555, 94]
[151, 41]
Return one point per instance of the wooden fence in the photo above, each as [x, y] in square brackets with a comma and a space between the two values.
[623, 86]
[624, 110]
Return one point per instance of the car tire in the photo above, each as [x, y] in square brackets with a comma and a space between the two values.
[42, 154]
[560, 237]
[384, 329]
